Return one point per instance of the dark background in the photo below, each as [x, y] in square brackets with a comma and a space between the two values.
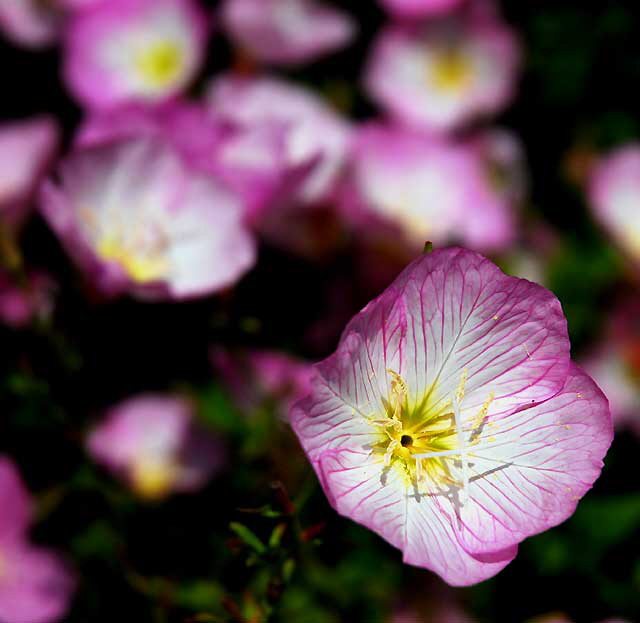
[179, 560]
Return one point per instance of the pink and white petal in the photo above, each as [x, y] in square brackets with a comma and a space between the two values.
[464, 314]
[349, 386]
[211, 248]
[27, 148]
[431, 542]
[539, 462]
[29, 23]
[360, 488]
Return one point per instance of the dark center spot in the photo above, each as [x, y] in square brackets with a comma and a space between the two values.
[406, 440]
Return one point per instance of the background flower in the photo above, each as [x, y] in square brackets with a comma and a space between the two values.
[138, 220]
[145, 50]
[152, 442]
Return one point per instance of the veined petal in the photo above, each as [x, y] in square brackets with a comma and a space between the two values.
[464, 314]
[362, 490]
[431, 542]
[540, 462]
[349, 386]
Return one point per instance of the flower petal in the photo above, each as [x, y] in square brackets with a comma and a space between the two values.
[360, 489]
[348, 387]
[463, 313]
[545, 459]
[378, 498]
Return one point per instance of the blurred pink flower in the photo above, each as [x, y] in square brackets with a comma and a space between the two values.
[133, 50]
[614, 194]
[153, 443]
[411, 9]
[432, 189]
[30, 23]
[451, 420]
[445, 73]
[27, 149]
[316, 138]
[256, 378]
[21, 303]
[136, 219]
[615, 364]
[287, 32]
[35, 584]
[252, 161]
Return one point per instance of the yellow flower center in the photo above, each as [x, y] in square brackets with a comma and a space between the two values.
[160, 63]
[141, 267]
[153, 478]
[425, 439]
[450, 71]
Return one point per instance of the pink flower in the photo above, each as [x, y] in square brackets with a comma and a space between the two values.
[29, 23]
[133, 50]
[260, 377]
[451, 420]
[35, 585]
[136, 219]
[20, 304]
[152, 442]
[445, 73]
[316, 138]
[614, 194]
[432, 189]
[287, 32]
[27, 148]
[418, 8]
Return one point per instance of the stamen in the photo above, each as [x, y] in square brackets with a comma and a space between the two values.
[460, 391]
[461, 442]
[482, 414]
[389, 453]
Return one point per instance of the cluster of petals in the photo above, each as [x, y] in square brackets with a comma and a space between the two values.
[133, 50]
[137, 219]
[415, 9]
[262, 377]
[286, 32]
[444, 73]
[317, 138]
[251, 161]
[436, 189]
[27, 149]
[35, 584]
[614, 195]
[451, 420]
[153, 443]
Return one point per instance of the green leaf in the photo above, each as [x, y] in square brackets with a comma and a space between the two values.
[248, 537]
